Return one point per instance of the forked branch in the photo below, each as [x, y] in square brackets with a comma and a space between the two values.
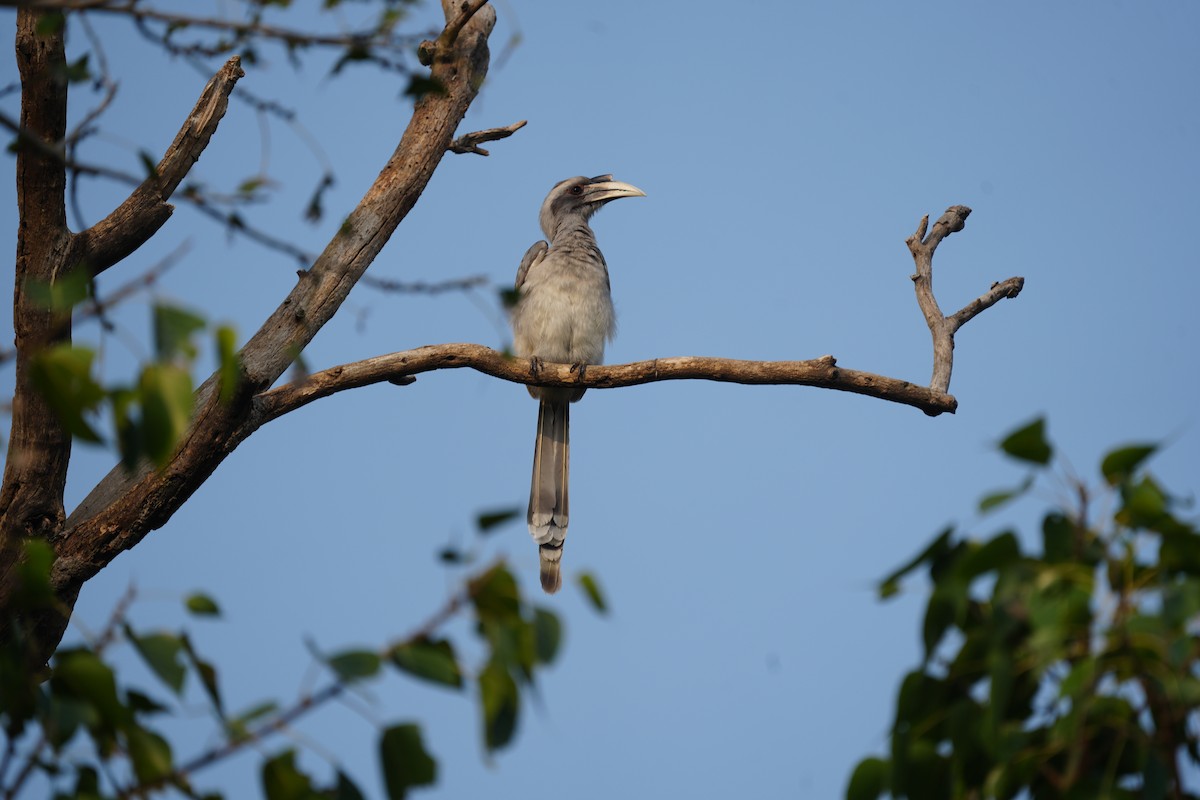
[941, 327]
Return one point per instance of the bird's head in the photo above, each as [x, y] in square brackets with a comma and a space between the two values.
[581, 197]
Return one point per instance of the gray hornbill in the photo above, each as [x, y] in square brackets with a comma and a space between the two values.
[563, 315]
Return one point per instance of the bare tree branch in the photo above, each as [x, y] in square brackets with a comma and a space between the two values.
[140, 216]
[39, 448]
[425, 287]
[395, 367]
[123, 508]
[469, 142]
[144, 13]
[943, 328]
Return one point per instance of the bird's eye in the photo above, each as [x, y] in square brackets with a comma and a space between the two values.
[577, 189]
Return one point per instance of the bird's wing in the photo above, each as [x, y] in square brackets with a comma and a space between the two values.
[535, 253]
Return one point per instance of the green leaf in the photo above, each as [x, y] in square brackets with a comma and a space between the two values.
[162, 653]
[997, 499]
[63, 376]
[143, 704]
[149, 752]
[1119, 465]
[404, 760]
[1029, 443]
[355, 665]
[995, 554]
[166, 394]
[81, 674]
[239, 726]
[495, 595]
[1144, 504]
[432, 661]
[50, 22]
[208, 676]
[63, 293]
[869, 780]
[940, 615]
[77, 71]
[346, 789]
[421, 85]
[281, 780]
[202, 605]
[591, 590]
[173, 329]
[547, 631]
[1057, 538]
[229, 363]
[940, 545]
[501, 704]
[34, 589]
[148, 163]
[492, 519]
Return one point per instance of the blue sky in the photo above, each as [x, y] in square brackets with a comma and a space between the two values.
[786, 150]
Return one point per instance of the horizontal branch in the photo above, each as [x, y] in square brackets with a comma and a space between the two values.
[400, 367]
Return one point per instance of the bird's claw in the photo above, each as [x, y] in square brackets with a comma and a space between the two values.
[581, 368]
[535, 365]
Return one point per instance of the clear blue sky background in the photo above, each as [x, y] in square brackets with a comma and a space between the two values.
[786, 149]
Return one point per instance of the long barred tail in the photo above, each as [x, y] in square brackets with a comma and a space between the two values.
[547, 516]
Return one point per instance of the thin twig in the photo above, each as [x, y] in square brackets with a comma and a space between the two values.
[424, 287]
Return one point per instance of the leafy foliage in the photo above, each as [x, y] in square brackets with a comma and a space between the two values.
[1073, 673]
[83, 701]
[149, 417]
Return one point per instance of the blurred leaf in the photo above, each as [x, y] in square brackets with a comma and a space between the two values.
[495, 595]
[1119, 465]
[50, 22]
[314, 210]
[869, 780]
[421, 85]
[202, 605]
[450, 555]
[81, 674]
[940, 614]
[891, 584]
[547, 634]
[501, 704]
[492, 519]
[63, 376]
[173, 329]
[997, 499]
[509, 297]
[282, 780]
[208, 676]
[148, 163]
[404, 760]
[143, 704]
[162, 652]
[1057, 538]
[994, 554]
[1144, 504]
[1029, 443]
[34, 589]
[346, 789]
[251, 185]
[354, 53]
[150, 754]
[229, 362]
[166, 395]
[591, 590]
[77, 71]
[240, 725]
[355, 665]
[62, 294]
[432, 661]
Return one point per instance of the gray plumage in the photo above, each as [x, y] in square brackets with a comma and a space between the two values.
[564, 315]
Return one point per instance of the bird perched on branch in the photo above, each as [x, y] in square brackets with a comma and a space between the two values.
[563, 315]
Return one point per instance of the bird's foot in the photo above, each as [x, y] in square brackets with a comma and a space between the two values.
[581, 368]
[535, 365]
